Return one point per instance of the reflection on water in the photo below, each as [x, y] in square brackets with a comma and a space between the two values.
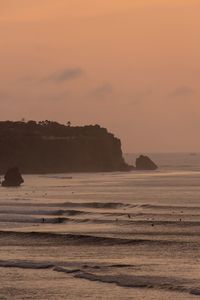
[103, 236]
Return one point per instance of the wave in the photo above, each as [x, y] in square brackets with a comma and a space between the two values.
[15, 237]
[116, 220]
[94, 205]
[178, 207]
[98, 205]
[64, 270]
[101, 205]
[61, 266]
[60, 212]
[31, 220]
[132, 281]
[32, 212]
[52, 239]
[25, 264]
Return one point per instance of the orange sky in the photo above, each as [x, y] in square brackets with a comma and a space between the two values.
[132, 66]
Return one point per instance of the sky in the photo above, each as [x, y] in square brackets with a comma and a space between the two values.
[132, 66]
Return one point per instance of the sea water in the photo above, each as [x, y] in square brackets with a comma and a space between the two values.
[127, 235]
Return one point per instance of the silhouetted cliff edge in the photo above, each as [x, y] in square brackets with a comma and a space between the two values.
[50, 147]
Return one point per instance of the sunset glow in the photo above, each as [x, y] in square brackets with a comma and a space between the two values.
[132, 66]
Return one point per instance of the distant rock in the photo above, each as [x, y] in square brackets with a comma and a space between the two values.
[48, 147]
[12, 178]
[145, 163]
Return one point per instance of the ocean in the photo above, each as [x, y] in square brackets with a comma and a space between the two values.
[122, 235]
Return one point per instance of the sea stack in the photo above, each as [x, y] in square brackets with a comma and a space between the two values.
[12, 178]
[145, 163]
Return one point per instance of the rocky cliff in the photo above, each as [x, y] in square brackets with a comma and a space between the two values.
[50, 147]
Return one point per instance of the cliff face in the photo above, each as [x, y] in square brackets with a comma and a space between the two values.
[49, 147]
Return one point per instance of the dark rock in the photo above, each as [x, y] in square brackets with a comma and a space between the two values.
[50, 147]
[127, 168]
[12, 177]
[145, 163]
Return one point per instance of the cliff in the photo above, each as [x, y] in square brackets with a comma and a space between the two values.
[50, 147]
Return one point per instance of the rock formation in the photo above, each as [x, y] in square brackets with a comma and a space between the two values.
[50, 147]
[12, 178]
[145, 163]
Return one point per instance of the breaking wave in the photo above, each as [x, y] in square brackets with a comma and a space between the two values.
[180, 285]
[166, 283]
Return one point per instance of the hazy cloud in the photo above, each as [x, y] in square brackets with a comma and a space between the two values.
[102, 90]
[140, 96]
[65, 75]
[182, 91]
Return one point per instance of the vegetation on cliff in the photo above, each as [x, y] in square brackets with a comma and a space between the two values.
[50, 147]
